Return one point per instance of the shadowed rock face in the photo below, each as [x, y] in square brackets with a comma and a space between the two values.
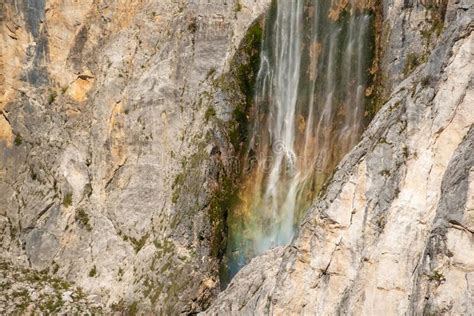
[33, 14]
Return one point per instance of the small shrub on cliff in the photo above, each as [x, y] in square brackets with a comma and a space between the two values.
[132, 309]
[238, 6]
[211, 73]
[83, 219]
[437, 277]
[139, 243]
[67, 201]
[411, 63]
[210, 113]
[93, 272]
[18, 140]
[52, 97]
[192, 27]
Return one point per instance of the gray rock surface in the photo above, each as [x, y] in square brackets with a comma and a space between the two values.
[107, 156]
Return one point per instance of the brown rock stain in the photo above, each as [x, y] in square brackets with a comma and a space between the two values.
[6, 133]
[338, 6]
[314, 52]
[80, 87]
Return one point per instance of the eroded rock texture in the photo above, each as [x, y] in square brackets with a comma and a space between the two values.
[109, 157]
[119, 130]
[392, 234]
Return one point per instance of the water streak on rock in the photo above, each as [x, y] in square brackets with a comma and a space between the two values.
[309, 111]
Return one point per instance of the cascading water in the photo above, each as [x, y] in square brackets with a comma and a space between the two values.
[309, 111]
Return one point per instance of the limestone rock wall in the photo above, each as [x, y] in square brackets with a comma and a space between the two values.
[106, 170]
[117, 129]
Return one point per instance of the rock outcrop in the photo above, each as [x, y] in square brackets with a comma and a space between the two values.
[26, 291]
[392, 232]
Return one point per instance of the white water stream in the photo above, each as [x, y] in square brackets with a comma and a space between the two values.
[309, 112]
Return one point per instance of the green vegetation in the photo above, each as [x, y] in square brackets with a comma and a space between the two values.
[375, 94]
[437, 277]
[381, 221]
[118, 307]
[33, 174]
[176, 186]
[192, 27]
[237, 7]
[245, 69]
[412, 61]
[83, 219]
[136, 243]
[385, 173]
[93, 272]
[437, 12]
[55, 267]
[383, 140]
[221, 204]
[53, 304]
[123, 309]
[406, 152]
[426, 81]
[139, 243]
[18, 140]
[48, 302]
[132, 309]
[165, 247]
[52, 96]
[437, 26]
[211, 73]
[210, 113]
[22, 293]
[67, 200]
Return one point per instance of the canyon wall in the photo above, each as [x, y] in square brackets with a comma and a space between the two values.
[119, 131]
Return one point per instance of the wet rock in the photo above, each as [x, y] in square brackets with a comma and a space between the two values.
[392, 233]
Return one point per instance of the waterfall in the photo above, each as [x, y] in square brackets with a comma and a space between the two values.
[308, 112]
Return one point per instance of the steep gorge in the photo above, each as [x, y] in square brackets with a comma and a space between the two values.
[129, 135]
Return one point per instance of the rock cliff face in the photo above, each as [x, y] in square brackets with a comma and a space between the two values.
[392, 233]
[110, 159]
[119, 128]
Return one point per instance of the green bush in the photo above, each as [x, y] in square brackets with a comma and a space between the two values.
[210, 112]
[83, 219]
[18, 140]
[67, 201]
[93, 272]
